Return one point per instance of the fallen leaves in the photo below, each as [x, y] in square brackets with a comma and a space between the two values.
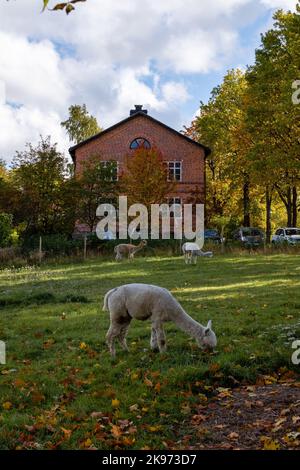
[7, 405]
[269, 444]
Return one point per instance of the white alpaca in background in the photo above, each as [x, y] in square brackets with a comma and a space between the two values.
[191, 251]
[128, 250]
[147, 302]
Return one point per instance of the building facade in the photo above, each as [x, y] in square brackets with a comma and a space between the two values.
[185, 158]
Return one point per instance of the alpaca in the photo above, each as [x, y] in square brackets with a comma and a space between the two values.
[191, 251]
[147, 302]
[128, 250]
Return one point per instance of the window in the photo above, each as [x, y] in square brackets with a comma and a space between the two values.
[112, 169]
[174, 171]
[140, 142]
[174, 200]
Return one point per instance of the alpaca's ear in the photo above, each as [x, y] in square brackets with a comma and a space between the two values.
[209, 324]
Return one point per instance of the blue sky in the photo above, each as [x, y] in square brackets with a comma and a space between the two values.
[112, 54]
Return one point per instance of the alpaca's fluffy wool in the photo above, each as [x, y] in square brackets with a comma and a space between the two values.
[143, 302]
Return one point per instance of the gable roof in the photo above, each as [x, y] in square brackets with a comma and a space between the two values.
[146, 116]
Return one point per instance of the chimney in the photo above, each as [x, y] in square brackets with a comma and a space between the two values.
[138, 109]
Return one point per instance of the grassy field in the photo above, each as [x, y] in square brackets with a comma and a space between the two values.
[61, 390]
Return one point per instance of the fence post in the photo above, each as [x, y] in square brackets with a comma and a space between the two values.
[40, 250]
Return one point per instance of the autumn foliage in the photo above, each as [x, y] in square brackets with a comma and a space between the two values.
[146, 180]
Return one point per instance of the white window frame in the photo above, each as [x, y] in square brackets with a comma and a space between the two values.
[173, 163]
[171, 201]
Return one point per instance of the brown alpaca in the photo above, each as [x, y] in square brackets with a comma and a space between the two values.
[128, 250]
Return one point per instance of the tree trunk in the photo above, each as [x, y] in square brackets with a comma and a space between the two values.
[246, 202]
[295, 208]
[268, 214]
[289, 208]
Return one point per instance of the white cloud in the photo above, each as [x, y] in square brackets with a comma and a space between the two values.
[111, 55]
[175, 92]
[285, 4]
[27, 124]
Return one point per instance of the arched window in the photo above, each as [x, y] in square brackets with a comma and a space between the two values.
[140, 142]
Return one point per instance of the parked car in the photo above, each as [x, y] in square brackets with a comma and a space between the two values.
[289, 235]
[249, 236]
[212, 235]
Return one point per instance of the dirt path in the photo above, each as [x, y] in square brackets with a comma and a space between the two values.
[254, 417]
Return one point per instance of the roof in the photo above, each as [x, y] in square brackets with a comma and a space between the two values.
[146, 116]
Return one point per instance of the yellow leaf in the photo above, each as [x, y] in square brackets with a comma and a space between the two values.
[83, 346]
[269, 444]
[87, 443]
[7, 405]
[115, 403]
[134, 376]
[154, 428]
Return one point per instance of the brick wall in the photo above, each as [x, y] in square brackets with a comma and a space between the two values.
[115, 145]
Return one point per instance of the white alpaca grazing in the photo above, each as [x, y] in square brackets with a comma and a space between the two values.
[147, 302]
[128, 250]
[191, 251]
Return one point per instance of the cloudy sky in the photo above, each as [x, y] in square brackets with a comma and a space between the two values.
[112, 54]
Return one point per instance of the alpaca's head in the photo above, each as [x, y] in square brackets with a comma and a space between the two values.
[143, 243]
[209, 339]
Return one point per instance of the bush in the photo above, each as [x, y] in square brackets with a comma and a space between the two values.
[52, 245]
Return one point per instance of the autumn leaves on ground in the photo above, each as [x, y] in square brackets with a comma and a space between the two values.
[61, 390]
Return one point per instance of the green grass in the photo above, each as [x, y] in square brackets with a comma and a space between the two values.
[59, 372]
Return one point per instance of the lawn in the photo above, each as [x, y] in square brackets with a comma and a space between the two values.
[61, 390]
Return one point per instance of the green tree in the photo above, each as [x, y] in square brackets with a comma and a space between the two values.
[5, 228]
[219, 127]
[97, 183]
[272, 118]
[80, 125]
[39, 175]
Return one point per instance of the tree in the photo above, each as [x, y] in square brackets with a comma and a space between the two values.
[39, 176]
[80, 125]
[146, 179]
[272, 118]
[97, 184]
[8, 193]
[219, 127]
[5, 228]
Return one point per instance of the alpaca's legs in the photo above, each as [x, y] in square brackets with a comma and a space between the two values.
[161, 338]
[113, 332]
[123, 334]
[153, 340]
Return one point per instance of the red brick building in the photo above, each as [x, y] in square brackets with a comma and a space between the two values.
[184, 157]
